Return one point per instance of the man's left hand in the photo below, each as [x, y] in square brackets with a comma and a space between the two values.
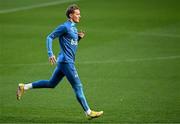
[81, 34]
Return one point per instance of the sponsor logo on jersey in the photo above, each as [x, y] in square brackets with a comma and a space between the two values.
[74, 42]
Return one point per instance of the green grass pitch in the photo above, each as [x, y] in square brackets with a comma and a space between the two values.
[129, 61]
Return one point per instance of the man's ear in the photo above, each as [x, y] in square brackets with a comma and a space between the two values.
[70, 15]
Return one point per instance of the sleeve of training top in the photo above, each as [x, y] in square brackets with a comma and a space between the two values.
[60, 30]
[79, 38]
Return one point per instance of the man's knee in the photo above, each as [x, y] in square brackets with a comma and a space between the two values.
[78, 89]
[52, 84]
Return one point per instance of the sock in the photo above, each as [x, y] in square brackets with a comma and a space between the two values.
[88, 112]
[28, 86]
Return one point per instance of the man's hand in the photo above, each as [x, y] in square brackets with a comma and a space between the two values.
[52, 60]
[81, 34]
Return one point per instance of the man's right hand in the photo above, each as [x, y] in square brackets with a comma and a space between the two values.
[52, 60]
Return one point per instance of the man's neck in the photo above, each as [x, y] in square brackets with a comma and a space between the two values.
[71, 20]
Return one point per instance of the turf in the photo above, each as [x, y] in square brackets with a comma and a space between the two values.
[128, 62]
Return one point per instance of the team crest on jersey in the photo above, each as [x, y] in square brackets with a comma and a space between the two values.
[74, 42]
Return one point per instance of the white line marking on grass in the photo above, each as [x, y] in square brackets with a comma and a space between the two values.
[99, 62]
[138, 33]
[130, 60]
[35, 6]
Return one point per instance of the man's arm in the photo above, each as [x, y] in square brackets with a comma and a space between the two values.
[56, 33]
[49, 41]
[52, 58]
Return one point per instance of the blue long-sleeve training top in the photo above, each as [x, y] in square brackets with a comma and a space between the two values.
[68, 39]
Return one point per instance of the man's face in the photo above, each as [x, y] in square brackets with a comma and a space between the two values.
[75, 17]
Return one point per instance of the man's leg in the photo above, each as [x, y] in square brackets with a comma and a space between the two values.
[55, 79]
[70, 71]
